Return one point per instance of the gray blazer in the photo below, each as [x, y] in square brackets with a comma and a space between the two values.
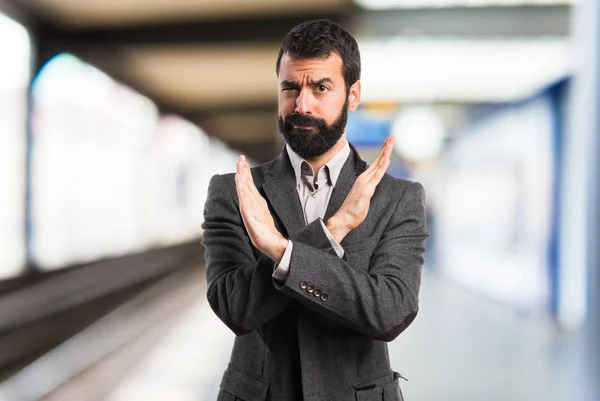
[321, 334]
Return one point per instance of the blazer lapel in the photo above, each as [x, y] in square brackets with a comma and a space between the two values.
[280, 190]
[353, 167]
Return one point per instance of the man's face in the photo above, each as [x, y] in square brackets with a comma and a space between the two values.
[313, 103]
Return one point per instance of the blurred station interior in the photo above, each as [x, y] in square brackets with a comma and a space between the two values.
[115, 114]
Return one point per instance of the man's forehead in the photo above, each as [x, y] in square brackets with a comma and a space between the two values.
[330, 67]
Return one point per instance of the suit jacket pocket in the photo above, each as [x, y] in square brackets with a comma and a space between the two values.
[382, 388]
[372, 394]
[243, 385]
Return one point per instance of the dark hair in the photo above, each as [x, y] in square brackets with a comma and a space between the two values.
[319, 39]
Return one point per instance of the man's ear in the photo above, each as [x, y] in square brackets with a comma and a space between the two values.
[354, 96]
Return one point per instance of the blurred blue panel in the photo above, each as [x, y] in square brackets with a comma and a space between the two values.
[364, 130]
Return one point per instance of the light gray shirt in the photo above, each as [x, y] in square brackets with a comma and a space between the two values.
[314, 192]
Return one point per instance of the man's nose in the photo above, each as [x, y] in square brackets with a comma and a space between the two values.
[304, 102]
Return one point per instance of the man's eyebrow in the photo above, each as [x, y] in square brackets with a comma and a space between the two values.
[322, 81]
[289, 84]
[293, 84]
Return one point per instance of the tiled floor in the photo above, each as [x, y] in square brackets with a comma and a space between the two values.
[461, 347]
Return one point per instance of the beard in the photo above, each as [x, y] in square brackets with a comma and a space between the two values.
[312, 142]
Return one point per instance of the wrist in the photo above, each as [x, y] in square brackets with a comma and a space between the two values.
[278, 249]
[337, 229]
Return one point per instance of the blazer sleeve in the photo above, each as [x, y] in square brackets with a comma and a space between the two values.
[240, 287]
[380, 301]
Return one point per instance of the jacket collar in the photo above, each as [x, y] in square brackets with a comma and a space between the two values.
[331, 169]
[280, 189]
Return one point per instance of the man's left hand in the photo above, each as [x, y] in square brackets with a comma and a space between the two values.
[256, 216]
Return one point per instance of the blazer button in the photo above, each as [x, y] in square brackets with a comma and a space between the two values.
[303, 285]
[317, 292]
[324, 296]
[310, 288]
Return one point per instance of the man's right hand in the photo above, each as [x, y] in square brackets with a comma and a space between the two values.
[355, 208]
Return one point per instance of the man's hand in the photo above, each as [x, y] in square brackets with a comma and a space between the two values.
[355, 208]
[255, 214]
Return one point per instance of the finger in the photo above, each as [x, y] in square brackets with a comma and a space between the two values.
[249, 180]
[387, 147]
[381, 171]
[250, 188]
[243, 184]
[240, 184]
[241, 179]
[246, 168]
[384, 162]
[243, 164]
[239, 165]
[391, 140]
[246, 171]
[386, 151]
[380, 156]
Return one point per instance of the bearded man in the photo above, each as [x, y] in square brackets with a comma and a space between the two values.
[314, 259]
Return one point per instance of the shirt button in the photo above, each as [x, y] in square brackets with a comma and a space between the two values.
[314, 194]
[303, 285]
[317, 292]
[310, 288]
[324, 296]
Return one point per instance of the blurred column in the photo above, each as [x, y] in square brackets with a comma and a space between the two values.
[593, 338]
[580, 217]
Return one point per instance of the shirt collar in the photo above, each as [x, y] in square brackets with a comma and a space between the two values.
[334, 165]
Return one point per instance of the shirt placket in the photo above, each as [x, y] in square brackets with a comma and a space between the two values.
[312, 208]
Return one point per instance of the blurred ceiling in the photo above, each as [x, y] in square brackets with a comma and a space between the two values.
[116, 13]
[206, 77]
[213, 61]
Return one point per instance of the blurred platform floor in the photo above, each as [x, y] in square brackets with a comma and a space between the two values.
[462, 346]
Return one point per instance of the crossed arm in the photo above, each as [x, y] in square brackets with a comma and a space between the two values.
[379, 301]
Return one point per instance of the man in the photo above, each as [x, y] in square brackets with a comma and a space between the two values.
[314, 260]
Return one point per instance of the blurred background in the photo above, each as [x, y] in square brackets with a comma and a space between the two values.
[115, 114]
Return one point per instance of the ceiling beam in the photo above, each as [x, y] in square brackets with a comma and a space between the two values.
[104, 48]
[514, 21]
[237, 30]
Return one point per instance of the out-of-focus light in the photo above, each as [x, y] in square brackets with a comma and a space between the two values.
[426, 70]
[395, 4]
[15, 51]
[14, 42]
[91, 142]
[419, 133]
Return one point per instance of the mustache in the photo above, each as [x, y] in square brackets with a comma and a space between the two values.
[304, 120]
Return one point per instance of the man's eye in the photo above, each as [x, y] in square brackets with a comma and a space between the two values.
[322, 88]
